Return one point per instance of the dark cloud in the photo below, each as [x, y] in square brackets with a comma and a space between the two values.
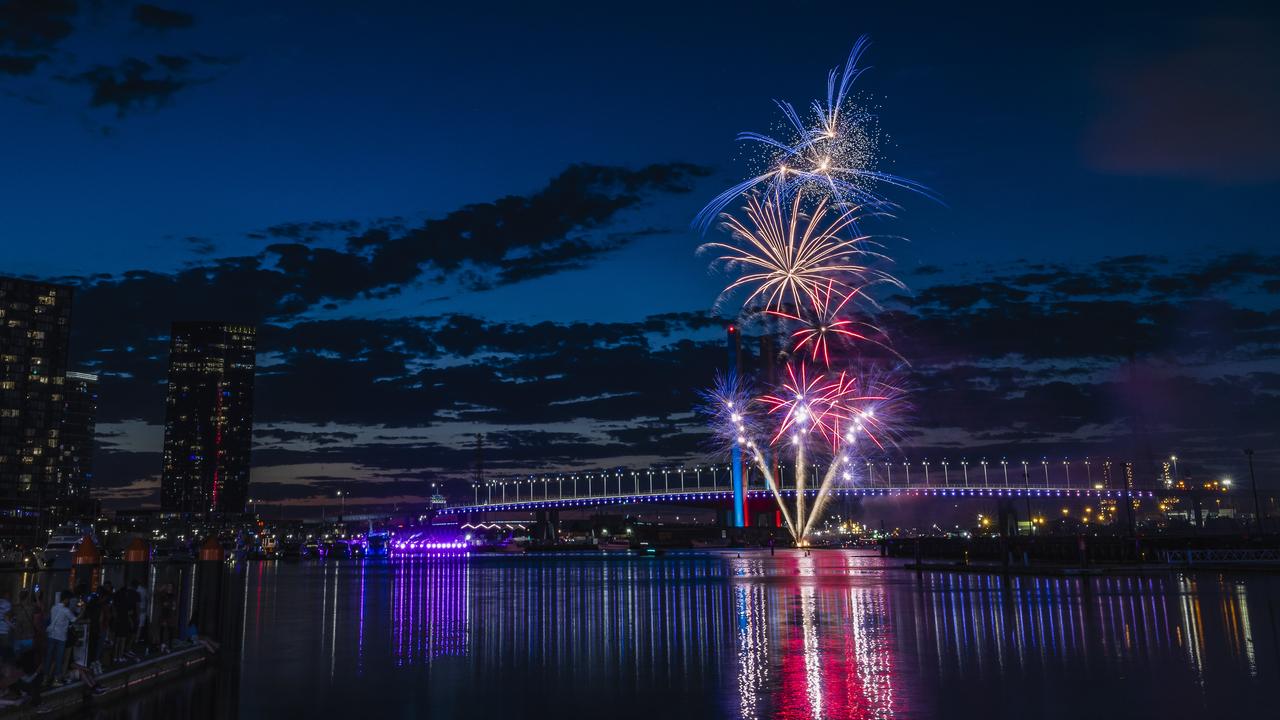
[28, 25]
[310, 231]
[20, 64]
[291, 436]
[201, 245]
[289, 278]
[30, 28]
[158, 18]
[135, 84]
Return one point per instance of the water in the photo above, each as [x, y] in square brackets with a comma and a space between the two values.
[838, 634]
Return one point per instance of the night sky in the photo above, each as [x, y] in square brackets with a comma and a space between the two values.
[475, 219]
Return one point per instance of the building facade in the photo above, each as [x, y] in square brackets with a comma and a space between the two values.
[35, 329]
[79, 424]
[208, 430]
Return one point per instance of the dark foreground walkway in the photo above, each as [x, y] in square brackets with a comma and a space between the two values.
[70, 700]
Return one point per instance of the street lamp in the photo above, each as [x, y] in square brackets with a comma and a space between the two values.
[1026, 480]
[1174, 459]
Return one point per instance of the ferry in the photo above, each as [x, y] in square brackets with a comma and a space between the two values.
[615, 545]
[62, 544]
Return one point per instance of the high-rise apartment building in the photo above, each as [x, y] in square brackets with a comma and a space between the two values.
[208, 429]
[79, 423]
[35, 328]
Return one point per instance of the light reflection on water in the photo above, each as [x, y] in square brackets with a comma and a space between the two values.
[712, 635]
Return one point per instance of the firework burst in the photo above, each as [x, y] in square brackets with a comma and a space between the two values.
[834, 153]
[828, 324]
[789, 257]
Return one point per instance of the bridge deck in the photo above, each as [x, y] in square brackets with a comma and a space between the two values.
[538, 495]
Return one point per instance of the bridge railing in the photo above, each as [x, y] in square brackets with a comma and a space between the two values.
[704, 479]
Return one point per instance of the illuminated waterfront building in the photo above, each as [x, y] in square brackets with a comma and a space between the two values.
[35, 325]
[208, 430]
[79, 422]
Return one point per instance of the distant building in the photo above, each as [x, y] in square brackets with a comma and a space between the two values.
[79, 422]
[208, 429]
[35, 326]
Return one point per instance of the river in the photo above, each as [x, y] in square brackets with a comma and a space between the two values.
[839, 634]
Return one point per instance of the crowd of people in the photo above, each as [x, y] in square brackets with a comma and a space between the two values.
[79, 633]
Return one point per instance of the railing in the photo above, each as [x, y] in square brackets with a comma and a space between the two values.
[1221, 557]
[708, 481]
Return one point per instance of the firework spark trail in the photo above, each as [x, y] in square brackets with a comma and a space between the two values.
[761, 463]
[827, 323]
[728, 404]
[863, 421]
[835, 153]
[791, 256]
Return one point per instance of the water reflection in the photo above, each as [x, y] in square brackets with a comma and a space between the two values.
[834, 635]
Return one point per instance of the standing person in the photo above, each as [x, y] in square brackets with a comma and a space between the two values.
[143, 617]
[124, 611]
[60, 618]
[166, 615]
[94, 608]
[108, 592]
[39, 618]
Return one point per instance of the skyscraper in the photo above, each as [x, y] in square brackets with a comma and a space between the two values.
[35, 326]
[208, 429]
[79, 422]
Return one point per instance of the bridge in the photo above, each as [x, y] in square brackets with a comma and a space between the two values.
[714, 484]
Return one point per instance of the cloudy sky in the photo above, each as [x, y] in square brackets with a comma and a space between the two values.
[451, 221]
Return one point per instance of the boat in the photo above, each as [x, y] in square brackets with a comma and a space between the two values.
[623, 546]
[62, 544]
[377, 544]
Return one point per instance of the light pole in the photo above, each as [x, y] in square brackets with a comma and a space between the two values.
[1174, 459]
[1253, 480]
[1005, 465]
[342, 498]
[1026, 479]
